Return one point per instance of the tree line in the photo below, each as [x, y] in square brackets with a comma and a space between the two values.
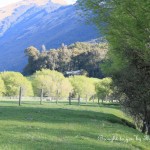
[53, 83]
[77, 56]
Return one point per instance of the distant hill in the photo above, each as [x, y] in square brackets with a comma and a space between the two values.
[38, 22]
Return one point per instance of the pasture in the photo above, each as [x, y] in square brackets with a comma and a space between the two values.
[52, 126]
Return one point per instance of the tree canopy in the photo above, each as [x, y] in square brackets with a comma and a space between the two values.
[13, 81]
[83, 86]
[52, 82]
[86, 56]
[103, 88]
[126, 25]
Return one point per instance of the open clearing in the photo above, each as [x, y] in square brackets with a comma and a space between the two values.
[61, 126]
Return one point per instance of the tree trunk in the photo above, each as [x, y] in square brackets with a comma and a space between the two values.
[144, 126]
[79, 100]
[41, 97]
[20, 96]
[148, 128]
[106, 98]
[98, 100]
[70, 98]
[145, 118]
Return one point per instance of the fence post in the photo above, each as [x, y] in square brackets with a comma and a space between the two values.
[20, 96]
[57, 95]
[41, 97]
[69, 98]
[79, 100]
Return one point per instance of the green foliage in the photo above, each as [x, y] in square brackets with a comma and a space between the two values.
[2, 87]
[83, 85]
[52, 82]
[86, 56]
[13, 81]
[33, 54]
[127, 28]
[103, 88]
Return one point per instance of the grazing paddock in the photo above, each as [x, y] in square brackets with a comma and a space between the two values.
[52, 126]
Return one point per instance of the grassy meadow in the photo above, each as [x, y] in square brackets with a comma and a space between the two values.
[53, 126]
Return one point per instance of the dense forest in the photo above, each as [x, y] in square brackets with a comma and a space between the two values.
[85, 56]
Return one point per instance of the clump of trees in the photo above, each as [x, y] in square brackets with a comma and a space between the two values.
[52, 82]
[87, 56]
[127, 29]
[92, 88]
[12, 81]
[104, 89]
[83, 86]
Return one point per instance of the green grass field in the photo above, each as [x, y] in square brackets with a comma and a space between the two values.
[62, 127]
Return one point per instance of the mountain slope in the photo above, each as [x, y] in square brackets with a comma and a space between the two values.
[50, 24]
[10, 9]
[10, 13]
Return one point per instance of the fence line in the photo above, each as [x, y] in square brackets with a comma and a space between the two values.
[56, 98]
[21, 99]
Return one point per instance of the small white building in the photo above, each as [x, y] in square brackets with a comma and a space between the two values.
[72, 73]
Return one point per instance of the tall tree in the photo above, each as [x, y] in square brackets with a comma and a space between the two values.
[126, 24]
[33, 54]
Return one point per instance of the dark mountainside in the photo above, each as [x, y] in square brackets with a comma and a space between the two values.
[51, 25]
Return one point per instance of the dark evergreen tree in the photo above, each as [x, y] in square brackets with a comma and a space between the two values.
[68, 58]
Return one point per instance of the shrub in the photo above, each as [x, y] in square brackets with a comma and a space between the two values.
[13, 81]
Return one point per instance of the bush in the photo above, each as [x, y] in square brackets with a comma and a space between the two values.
[13, 81]
[52, 82]
[103, 88]
[83, 86]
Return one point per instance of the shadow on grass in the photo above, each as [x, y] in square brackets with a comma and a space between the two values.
[57, 115]
[107, 105]
[111, 105]
[36, 136]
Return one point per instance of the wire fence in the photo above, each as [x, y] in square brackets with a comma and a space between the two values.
[20, 99]
[41, 100]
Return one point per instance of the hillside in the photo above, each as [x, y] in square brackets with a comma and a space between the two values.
[47, 23]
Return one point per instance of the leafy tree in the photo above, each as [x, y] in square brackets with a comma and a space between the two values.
[2, 87]
[52, 82]
[33, 54]
[126, 26]
[83, 86]
[42, 82]
[103, 88]
[13, 81]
